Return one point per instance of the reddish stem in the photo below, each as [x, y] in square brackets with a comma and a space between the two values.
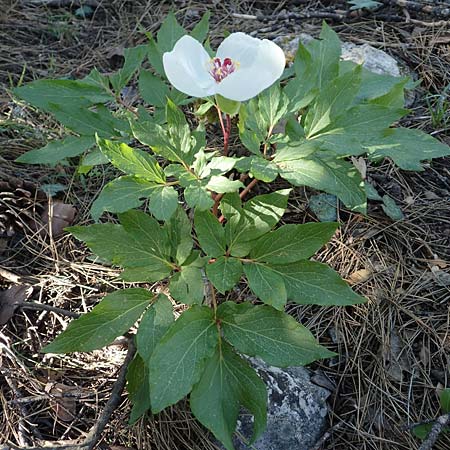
[217, 199]
[226, 135]
[246, 190]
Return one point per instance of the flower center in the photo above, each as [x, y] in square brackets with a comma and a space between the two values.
[221, 69]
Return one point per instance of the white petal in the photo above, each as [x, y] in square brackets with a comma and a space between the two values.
[266, 66]
[240, 47]
[187, 66]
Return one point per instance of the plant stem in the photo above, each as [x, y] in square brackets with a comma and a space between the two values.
[248, 188]
[219, 112]
[226, 135]
[215, 208]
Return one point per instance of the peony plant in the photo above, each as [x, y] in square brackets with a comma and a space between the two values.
[189, 221]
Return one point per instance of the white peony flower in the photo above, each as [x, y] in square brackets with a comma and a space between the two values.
[243, 67]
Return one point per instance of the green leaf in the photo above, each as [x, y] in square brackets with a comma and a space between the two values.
[134, 56]
[73, 94]
[154, 55]
[228, 106]
[274, 336]
[219, 183]
[204, 108]
[291, 243]
[228, 383]
[224, 273]
[153, 90]
[266, 284]
[112, 317]
[335, 98]
[407, 148]
[154, 136]
[169, 33]
[391, 208]
[444, 400]
[394, 98]
[186, 286]
[153, 325]
[198, 197]
[56, 151]
[272, 105]
[210, 233]
[139, 244]
[138, 388]
[179, 358]
[132, 161]
[222, 164]
[295, 150]
[258, 216]
[147, 231]
[97, 79]
[163, 202]
[334, 176]
[313, 283]
[251, 140]
[179, 230]
[86, 122]
[372, 193]
[422, 431]
[358, 128]
[316, 64]
[122, 194]
[93, 157]
[200, 31]
[264, 170]
[178, 128]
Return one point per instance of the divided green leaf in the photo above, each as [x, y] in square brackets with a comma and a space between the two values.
[112, 317]
[228, 382]
[180, 357]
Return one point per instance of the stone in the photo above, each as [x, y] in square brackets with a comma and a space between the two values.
[373, 59]
[297, 410]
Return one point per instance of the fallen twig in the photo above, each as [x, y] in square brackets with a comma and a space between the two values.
[318, 445]
[416, 6]
[440, 423]
[113, 402]
[17, 279]
[61, 3]
[41, 306]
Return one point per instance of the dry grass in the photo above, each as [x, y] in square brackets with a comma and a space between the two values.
[392, 351]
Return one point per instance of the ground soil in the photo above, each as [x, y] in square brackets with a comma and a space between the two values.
[393, 352]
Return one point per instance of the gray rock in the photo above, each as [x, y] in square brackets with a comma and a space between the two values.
[297, 410]
[371, 58]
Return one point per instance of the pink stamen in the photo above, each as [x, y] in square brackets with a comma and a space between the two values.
[220, 70]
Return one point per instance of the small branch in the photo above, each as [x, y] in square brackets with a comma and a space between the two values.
[319, 444]
[438, 426]
[113, 402]
[42, 307]
[411, 5]
[17, 279]
[62, 3]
